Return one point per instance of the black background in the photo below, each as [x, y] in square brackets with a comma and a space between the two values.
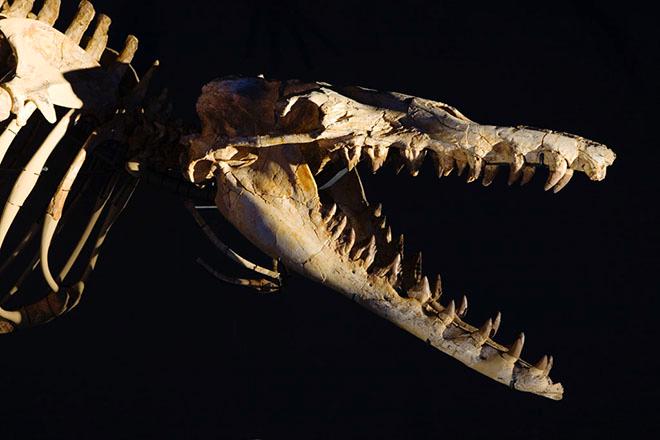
[159, 349]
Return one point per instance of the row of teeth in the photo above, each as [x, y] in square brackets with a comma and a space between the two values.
[560, 173]
[343, 236]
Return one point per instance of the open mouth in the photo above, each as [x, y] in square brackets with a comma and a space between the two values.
[360, 234]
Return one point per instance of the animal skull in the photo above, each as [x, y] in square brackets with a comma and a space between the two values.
[267, 145]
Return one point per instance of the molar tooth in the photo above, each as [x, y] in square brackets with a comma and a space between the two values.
[556, 174]
[340, 228]
[490, 171]
[563, 181]
[421, 291]
[527, 174]
[496, 324]
[462, 308]
[475, 170]
[516, 348]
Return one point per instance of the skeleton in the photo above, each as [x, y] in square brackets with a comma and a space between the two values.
[261, 156]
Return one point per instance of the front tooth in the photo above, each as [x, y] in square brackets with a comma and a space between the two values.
[542, 364]
[490, 171]
[421, 291]
[475, 170]
[563, 181]
[516, 348]
[340, 228]
[527, 174]
[515, 168]
[371, 253]
[556, 174]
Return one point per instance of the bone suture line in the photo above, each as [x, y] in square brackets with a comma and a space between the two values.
[226, 249]
[30, 174]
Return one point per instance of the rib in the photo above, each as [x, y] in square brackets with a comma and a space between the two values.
[263, 285]
[30, 174]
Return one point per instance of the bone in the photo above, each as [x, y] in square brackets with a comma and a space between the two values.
[527, 174]
[496, 324]
[370, 254]
[461, 164]
[49, 11]
[421, 291]
[339, 228]
[490, 172]
[563, 181]
[515, 169]
[557, 171]
[128, 52]
[483, 334]
[542, 364]
[18, 8]
[80, 22]
[346, 248]
[377, 155]
[12, 130]
[516, 348]
[97, 44]
[475, 169]
[30, 174]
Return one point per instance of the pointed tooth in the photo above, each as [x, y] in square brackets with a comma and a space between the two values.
[515, 168]
[450, 310]
[370, 253]
[437, 163]
[340, 228]
[516, 348]
[400, 244]
[496, 324]
[378, 211]
[490, 171]
[377, 155]
[556, 174]
[460, 166]
[388, 235]
[346, 249]
[483, 333]
[417, 271]
[448, 165]
[542, 364]
[527, 174]
[421, 291]
[475, 169]
[393, 270]
[437, 288]
[563, 181]
[352, 156]
[462, 308]
[415, 160]
[551, 362]
[357, 252]
[382, 223]
[330, 214]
